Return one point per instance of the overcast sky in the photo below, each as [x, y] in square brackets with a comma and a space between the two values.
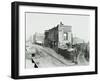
[38, 22]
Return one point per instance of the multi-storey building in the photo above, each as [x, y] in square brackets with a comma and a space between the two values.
[58, 37]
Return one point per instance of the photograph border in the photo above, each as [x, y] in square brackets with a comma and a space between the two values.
[15, 39]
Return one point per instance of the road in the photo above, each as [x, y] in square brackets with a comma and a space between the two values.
[46, 57]
[81, 60]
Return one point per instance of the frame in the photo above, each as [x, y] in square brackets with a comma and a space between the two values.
[70, 46]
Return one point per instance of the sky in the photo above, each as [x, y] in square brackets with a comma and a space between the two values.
[39, 22]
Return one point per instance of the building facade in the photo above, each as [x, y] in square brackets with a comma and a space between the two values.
[65, 36]
[38, 38]
[58, 37]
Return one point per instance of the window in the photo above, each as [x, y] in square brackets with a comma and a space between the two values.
[65, 36]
